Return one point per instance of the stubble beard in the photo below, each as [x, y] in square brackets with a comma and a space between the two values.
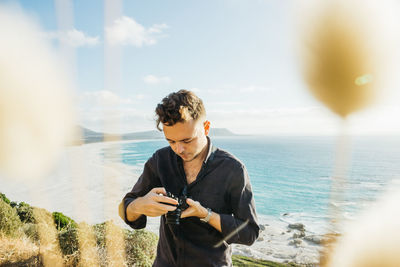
[198, 154]
[194, 157]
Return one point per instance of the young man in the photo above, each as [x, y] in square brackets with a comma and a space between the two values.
[219, 197]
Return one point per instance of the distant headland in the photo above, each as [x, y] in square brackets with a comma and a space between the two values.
[89, 136]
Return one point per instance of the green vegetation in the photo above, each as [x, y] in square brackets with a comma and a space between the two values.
[10, 224]
[68, 239]
[4, 198]
[17, 222]
[31, 231]
[25, 212]
[62, 221]
[242, 261]
[140, 245]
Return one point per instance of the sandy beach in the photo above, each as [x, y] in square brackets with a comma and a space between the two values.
[88, 188]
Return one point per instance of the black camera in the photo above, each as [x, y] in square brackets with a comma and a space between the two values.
[173, 217]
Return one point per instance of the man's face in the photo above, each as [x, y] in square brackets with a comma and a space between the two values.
[187, 139]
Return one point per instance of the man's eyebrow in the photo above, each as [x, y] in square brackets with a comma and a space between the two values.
[183, 140]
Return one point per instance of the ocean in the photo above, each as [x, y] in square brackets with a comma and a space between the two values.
[290, 176]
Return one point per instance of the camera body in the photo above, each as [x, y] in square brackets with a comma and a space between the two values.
[173, 217]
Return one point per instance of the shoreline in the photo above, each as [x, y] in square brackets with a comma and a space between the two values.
[78, 187]
[277, 242]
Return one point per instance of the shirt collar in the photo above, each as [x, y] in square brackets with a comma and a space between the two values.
[211, 150]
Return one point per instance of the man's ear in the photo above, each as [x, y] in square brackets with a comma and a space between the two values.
[206, 127]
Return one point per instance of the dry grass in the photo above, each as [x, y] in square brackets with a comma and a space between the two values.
[87, 246]
[115, 245]
[53, 239]
[14, 250]
[49, 245]
[340, 64]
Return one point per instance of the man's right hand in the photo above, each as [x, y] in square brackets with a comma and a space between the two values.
[150, 204]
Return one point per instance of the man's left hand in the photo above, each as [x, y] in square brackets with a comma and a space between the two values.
[195, 209]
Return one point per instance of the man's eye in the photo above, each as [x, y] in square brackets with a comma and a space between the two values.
[187, 142]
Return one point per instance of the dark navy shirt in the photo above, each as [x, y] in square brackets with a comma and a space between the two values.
[222, 185]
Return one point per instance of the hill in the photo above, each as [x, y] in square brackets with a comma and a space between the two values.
[30, 236]
[89, 136]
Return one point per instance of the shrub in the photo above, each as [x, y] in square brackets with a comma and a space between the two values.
[25, 212]
[18, 252]
[68, 238]
[100, 233]
[31, 231]
[62, 221]
[243, 261]
[9, 221]
[140, 245]
[4, 198]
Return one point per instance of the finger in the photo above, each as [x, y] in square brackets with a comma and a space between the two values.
[190, 202]
[159, 190]
[166, 208]
[164, 199]
[160, 209]
[186, 213]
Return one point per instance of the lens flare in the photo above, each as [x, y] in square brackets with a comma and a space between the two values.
[36, 114]
[344, 55]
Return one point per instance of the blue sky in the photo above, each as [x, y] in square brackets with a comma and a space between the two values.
[237, 55]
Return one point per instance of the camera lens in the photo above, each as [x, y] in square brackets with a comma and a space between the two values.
[173, 217]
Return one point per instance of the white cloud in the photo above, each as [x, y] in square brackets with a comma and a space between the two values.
[122, 119]
[158, 28]
[108, 112]
[213, 91]
[196, 90]
[126, 31]
[73, 38]
[316, 120]
[103, 98]
[268, 112]
[275, 121]
[140, 96]
[152, 79]
[232, 89]
[120, 114]
[252, 89]
[225, 103]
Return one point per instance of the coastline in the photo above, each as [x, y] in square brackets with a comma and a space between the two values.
[277, 242]
[95, 178]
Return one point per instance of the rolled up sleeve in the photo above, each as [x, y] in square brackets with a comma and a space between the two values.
[241, 226]
[147, 181]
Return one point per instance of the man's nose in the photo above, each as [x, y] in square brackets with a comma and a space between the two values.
[179, 148]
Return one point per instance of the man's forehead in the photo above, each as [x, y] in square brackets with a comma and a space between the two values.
[181, 131]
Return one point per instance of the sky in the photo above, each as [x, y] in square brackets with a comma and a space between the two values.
[238, 56]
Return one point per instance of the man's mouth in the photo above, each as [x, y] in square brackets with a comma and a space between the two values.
[184, 156]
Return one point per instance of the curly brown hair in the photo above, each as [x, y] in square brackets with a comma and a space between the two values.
[178, 107]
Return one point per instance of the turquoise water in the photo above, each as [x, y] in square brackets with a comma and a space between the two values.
[291, 175]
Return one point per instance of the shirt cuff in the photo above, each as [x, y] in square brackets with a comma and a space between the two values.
[140, 222]
[228, 226]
